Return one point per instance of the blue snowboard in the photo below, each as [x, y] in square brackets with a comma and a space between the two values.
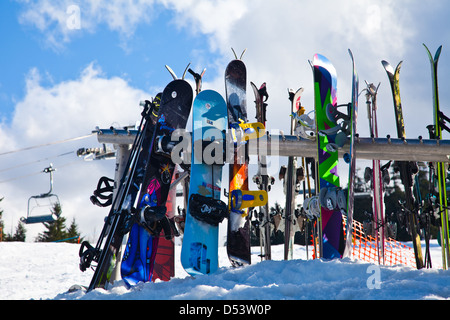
[199, 252]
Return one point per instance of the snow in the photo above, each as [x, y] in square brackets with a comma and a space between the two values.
[48, 270]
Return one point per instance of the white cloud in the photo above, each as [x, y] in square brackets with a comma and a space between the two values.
[214, 18]
[78, 105]
[61, 20]
[64, 110]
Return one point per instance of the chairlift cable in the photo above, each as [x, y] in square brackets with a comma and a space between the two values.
[21, 177]
[36, 173]
[47, 144]
[36, 161]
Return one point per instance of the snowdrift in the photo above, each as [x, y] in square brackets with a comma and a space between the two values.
[48, 270]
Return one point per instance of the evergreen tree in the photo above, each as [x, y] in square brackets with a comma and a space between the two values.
[73, 232]
[56, 230]
[19, 235]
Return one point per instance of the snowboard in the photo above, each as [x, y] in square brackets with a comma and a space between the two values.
[406, 168]
[238, 233]
[352, 164]
[120, 217]
[440, 167]
[205, 210]
[164, 268]
[325, 87]
[140, 252]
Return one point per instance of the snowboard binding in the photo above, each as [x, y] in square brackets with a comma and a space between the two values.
[87, 254]
[333, 198]
[104, 192]
[305, 125]
[341, 131]
[207, 209]
[154, 219]
[311, 207]
[241, 199]
[242, 131]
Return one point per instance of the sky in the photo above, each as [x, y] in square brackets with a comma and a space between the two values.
[67, 67]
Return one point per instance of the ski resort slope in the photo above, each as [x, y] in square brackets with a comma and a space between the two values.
[48, 270]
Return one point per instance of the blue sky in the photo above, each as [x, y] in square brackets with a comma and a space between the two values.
[58, 83]
[137, 58]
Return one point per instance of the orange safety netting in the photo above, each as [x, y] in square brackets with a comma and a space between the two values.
[365, 248]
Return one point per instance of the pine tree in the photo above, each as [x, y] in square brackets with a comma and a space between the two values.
[56, 230]
[73, 232]
[19, 235]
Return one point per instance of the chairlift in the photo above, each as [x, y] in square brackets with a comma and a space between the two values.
[39, 206]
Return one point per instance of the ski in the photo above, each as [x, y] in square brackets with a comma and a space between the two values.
[374, 174]
[325, 86]
[352, 164]
[406, 168]
[205, 210]
[119, 220]
[139, 256]
[290, 178]
[440, 167]
[262, 179]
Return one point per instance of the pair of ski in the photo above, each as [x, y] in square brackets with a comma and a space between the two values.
[291, 175]
[441, 168]
[378, 175]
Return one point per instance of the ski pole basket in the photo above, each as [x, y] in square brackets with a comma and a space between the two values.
[39, 208]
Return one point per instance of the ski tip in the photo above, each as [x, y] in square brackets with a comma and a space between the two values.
[185, 70]
[438, 53]
[387, 66]
[235, 55]
[172, 73]
[234, 52]
[242, 54]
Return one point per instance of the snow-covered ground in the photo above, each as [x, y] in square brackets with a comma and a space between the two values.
[48, 270]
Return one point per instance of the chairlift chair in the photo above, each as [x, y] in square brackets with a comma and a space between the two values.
[38, 211]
